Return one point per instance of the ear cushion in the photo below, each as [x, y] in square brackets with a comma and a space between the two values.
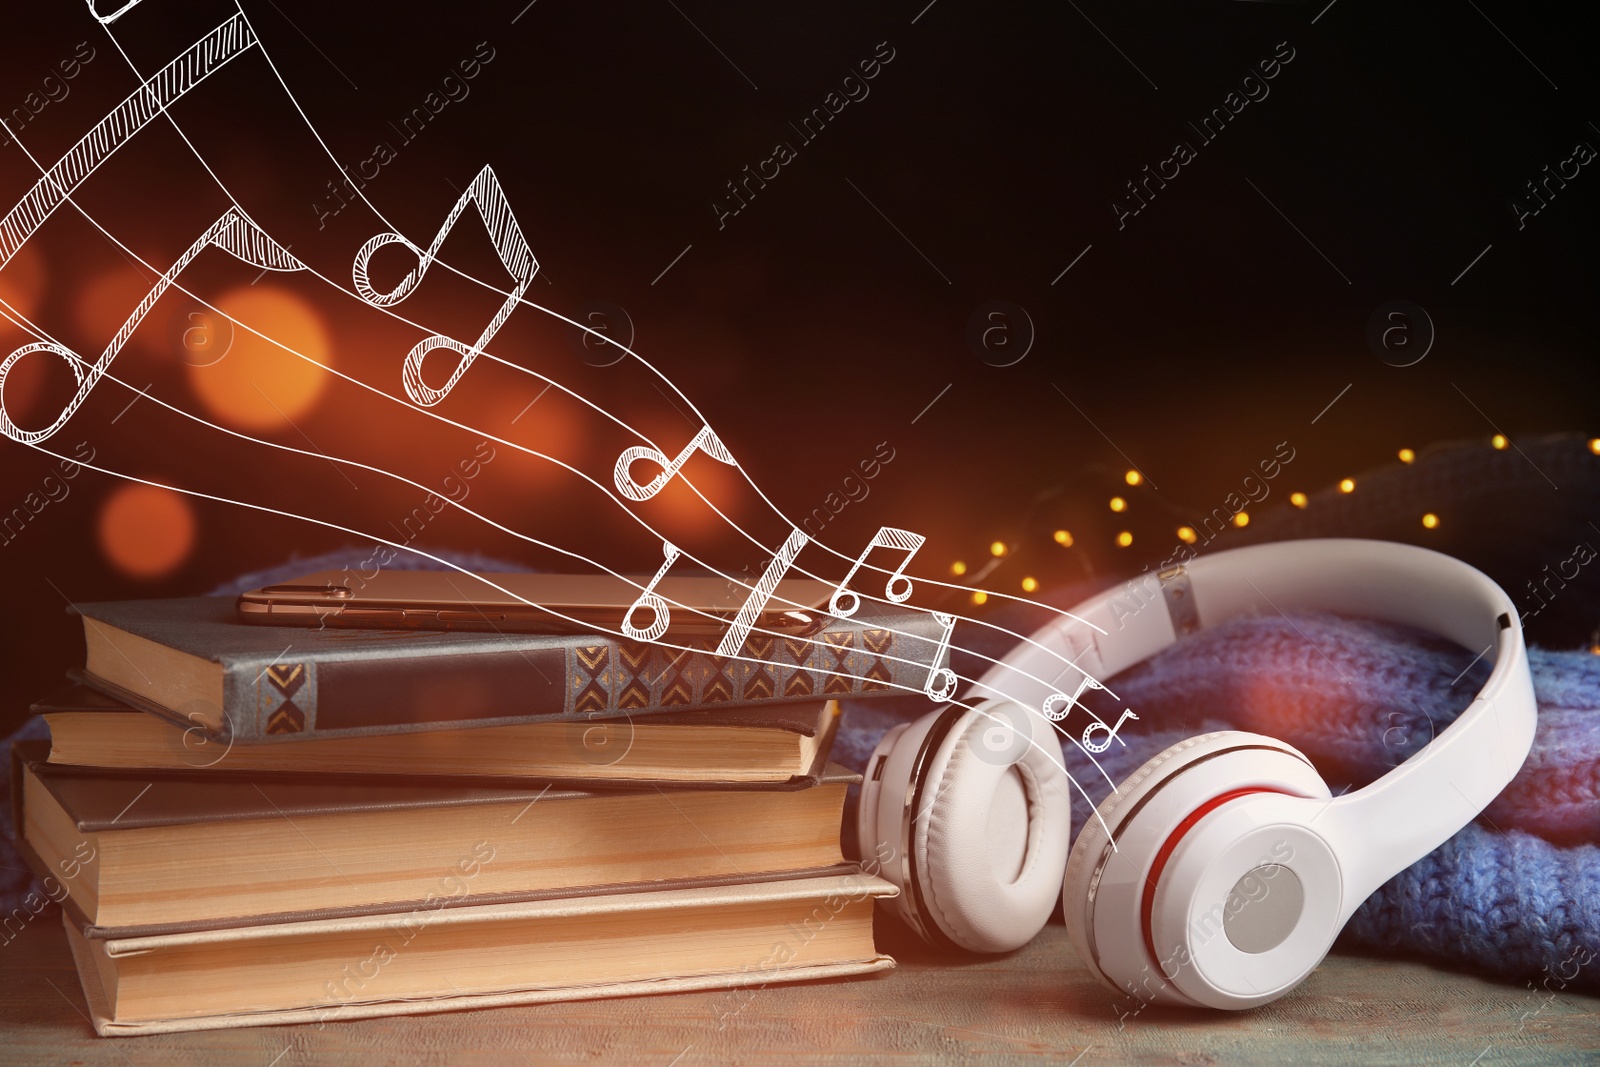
[992, 828]
[1116, 813]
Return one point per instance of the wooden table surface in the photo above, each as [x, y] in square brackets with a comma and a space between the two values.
[1036, 1005]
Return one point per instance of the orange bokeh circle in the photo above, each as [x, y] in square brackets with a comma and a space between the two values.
[22, 280]
[255, 384]
[146, 531]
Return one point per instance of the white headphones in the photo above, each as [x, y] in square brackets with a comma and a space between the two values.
[1220, 873]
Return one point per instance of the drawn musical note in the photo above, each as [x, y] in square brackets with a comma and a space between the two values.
[1057, 714]
[705, 441]
[886, 537]
[653, 600]
[941, 683]
[202, 59]
[733, 640]
[516, 256]
[232, 233]
[1111, 733]
[106, 20]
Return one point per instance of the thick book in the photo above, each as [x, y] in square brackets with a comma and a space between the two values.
[192, 661]
[159, 851]
[777, 745]
[484, 956]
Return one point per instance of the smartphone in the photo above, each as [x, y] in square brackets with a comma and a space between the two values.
[525, 603]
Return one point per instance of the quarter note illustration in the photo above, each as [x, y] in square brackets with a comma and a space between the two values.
[941, 683]
[653, 602]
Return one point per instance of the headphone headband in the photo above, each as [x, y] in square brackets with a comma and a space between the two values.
[1381, 829]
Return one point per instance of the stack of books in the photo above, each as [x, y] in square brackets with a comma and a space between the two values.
[258, 824]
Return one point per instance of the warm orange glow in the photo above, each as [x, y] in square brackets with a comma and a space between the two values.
[1064, 538]
[103, 304]
[146, 531]
[1499, 441]
[1297, 499]
[1133, 477]
[1029, 584]
[1348, 485]
[1594, 445]
[1187, 535]
[1407, 456]
[1242, 519]
[258, 385]
[997, 549]
[958, 568]
[22, 281]
[1430, 520]
[1124, 538]
[1118, 504]
[979, 597]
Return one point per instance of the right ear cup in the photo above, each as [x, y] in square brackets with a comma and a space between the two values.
[968, 811]
[1113, 859]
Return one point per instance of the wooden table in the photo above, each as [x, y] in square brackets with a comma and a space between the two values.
[1037, 1005]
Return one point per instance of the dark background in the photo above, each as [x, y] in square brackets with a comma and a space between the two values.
[828, 317]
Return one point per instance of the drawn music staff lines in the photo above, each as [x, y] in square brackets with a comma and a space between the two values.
[288, 262]
[235, 36]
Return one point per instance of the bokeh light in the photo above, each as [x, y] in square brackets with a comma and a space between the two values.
[146, 531]
[257, 385]
[23, 279]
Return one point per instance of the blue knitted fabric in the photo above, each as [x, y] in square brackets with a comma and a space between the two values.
[1517, 893]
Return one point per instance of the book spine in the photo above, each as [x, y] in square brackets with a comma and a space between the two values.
[394, 693]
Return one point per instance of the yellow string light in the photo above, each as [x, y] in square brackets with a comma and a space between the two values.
[1297, 499]
[997, 549]
[1133, 477]
[1118, 504]
[1407, 456]
[1063, 538]
[1124, 538]
[958, 568]
[1029, 584]
[979, 597]
[1499, 441]
[1348, 485]
[1430, 521]
[1187, 535]
[1242, 519]
[1594, 445]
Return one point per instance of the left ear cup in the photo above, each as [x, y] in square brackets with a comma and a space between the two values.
[968, 812]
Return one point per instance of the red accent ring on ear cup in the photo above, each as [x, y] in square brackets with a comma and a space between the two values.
[1148, 902]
